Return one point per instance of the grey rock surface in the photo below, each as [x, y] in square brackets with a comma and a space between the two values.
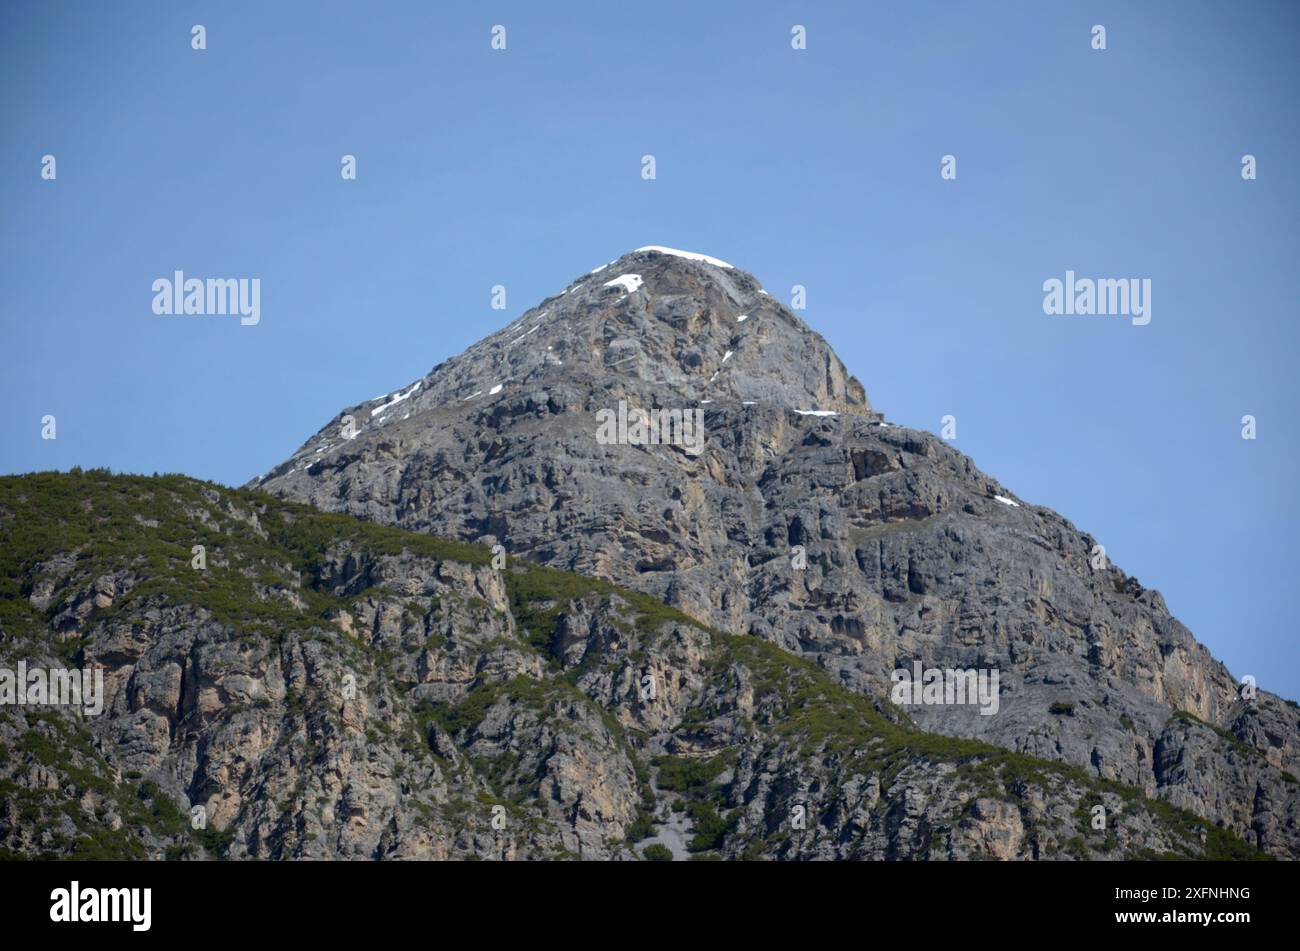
[912, 553]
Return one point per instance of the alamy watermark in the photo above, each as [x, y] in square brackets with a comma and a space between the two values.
[77, 904]
[56, 686]
[654, 427]
[936, 686]
[1104, 297]
[214, 297]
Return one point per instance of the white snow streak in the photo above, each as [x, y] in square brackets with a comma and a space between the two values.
[629, 282]
[396, 399]
[520, 337]
[689, 255]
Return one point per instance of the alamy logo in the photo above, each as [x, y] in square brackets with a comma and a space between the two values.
[655, 427]
[214, 297]
[1104, 297]
[935, 686]
[103, 904]
[58, 687]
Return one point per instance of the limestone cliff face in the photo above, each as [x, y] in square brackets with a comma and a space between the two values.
[911, 552]
[312, 685]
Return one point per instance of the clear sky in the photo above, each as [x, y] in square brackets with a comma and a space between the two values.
[818, 167]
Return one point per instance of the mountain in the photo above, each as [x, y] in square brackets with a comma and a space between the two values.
[808, 522]
[319, 686]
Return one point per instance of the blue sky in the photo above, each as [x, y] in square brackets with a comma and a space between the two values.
[818, 167]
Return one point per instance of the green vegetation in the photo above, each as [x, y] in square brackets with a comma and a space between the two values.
[696, 781]
[540, 595]
[689, 776]
[710, 827]
[257, 547]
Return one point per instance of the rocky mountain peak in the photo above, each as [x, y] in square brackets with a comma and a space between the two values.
[654, 327]
[679, 326]
[806, 521]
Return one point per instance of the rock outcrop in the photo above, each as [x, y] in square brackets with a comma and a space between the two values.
[283, 683]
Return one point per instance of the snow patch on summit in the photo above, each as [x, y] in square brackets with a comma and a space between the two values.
[689, 255]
